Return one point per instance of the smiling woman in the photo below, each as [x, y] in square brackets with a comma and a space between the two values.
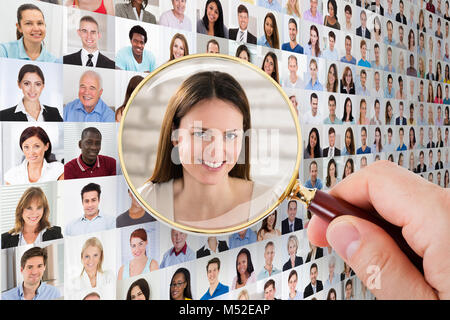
[38, 165]
[32, 224]
[140, 263]
[212, 21]
[31, 31]
[201, 141]
[93, 275]
[32, 82]
[178, 47]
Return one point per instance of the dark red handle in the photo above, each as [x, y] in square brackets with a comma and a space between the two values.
[328, 208]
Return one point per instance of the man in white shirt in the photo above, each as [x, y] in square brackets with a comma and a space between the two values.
[89, 55]
[331, 151]
[376, 118]
[401, 33]
[313, 116]
[362, 88]
[377, 91]
[376, 64]
[421, 121]
[92, 220]
[389, 146]
[291, 223]
[269, 269]
[293, 81]
[330, 53]
[242, 34]
[315, 285]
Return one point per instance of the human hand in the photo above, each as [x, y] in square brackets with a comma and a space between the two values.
[406, 200]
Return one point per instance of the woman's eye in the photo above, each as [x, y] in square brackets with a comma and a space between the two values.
[231, 135]
[202, 134]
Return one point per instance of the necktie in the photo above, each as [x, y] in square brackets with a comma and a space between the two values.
[89, 63]
[331, 152]
[241, 36]
[292, 227]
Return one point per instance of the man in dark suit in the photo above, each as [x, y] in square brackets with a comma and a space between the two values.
[377, 7]
[331, 150]
[400, 17]
[362, 30]
[89, 55]
[315, 285]
[439, 164]
[291, 223]
[212, 245]
[242, 34]
[365, 2]
[421, 167]
[400, 120]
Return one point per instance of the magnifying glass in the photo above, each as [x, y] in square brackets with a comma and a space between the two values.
[210, 144]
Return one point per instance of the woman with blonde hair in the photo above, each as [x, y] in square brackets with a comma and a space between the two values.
[292, 247]
[243, 295]
[292, 8]
[32, 223]
[93, 275]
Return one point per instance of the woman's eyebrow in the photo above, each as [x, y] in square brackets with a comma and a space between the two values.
[206, 129]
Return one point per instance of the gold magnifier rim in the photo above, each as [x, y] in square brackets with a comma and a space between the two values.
[218, 231]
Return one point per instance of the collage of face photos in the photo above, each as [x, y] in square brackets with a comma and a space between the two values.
[369, 81]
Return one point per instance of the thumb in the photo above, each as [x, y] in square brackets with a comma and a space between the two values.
[377, 260]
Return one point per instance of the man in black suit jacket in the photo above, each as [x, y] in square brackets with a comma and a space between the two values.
[374, 5]
[291, 219]
[400, 120]
[362, 30]
[89, 55]
[315, 285]
[216, 246]
[337, 152]
[366, 3]
[242, 31]
[400, 17]
[331, 142]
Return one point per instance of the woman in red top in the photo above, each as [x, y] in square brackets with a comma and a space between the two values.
[99, 6]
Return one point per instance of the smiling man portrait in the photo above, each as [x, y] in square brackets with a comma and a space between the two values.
[90, 164]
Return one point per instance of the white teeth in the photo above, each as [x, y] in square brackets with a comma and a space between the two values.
[212, 164]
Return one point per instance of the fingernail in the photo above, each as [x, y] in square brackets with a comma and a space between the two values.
[344, 238]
